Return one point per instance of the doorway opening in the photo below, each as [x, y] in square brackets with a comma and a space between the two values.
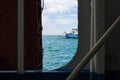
[59, 18]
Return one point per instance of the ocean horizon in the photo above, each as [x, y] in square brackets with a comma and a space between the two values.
[57, 51]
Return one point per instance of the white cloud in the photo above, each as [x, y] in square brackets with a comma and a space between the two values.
[47, 22]
[59, 6]
[64, 21]
[56, 17]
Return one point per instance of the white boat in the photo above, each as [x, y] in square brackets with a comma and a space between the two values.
[73, 34]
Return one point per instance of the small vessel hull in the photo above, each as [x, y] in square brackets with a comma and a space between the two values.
[74, 36]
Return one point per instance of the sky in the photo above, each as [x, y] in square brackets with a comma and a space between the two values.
[59, 16]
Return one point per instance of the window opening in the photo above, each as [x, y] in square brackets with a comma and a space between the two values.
[60, 32]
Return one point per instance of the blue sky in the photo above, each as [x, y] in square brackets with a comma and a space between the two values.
[59, 16]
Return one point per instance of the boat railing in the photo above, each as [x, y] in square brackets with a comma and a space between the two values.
[93, 50]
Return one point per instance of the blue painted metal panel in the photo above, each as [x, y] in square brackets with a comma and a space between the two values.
[112, 75]
[51, 75]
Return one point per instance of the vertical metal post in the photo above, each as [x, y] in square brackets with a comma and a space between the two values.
[97, 29]
[99, 58]
[21, 36]
[93, 31]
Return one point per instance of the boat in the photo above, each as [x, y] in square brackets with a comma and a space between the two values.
[21, 52]
[73, 34]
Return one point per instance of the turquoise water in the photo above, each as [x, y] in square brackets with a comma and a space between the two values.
[58, 51]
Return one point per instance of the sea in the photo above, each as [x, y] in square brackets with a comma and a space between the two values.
[57, 51]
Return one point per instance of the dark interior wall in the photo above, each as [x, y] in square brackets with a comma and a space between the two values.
[112, 58]
[84, 19]
[9, 32]
[32, 43]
